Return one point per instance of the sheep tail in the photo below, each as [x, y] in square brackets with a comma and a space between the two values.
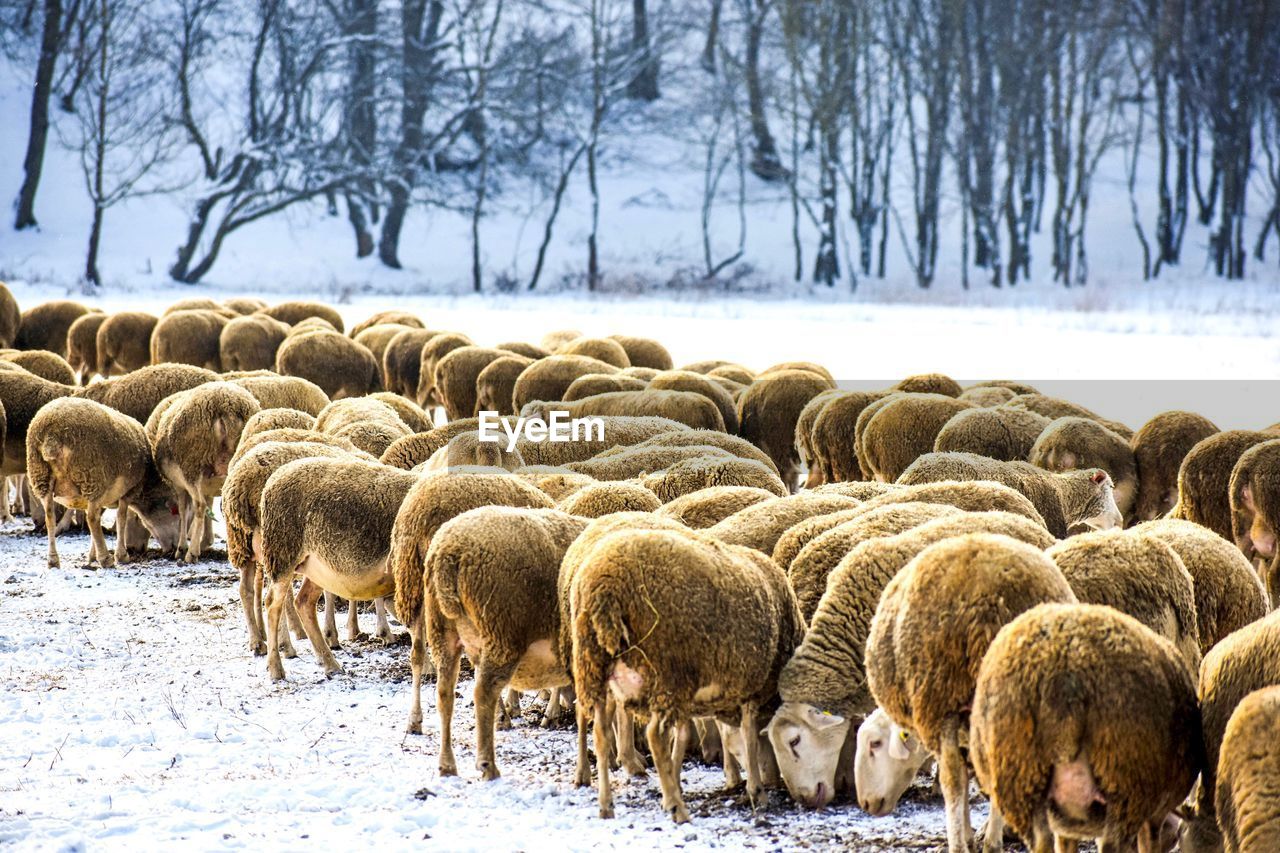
[442, 574]
[406, 567]
[605, 612]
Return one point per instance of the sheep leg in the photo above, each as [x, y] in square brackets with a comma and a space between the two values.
[124, 522]
[993, 832]
[383, 631]
[308, 596]
[281, 592]
[54, 562]
[582, 776]
[661, 736]
[184, 523]
[603, 758]
[627, 756]
[1062, 845]
[6, 509]
[751, 744]
[491, 679]
[417, 662]
[732, 773]
[552, 714]
[250, 602]
[291, 618]
[330, 620]
[447, 655]
[680, 746]
[954, 777]
[353, 622]
[94, 518]
[199, 508]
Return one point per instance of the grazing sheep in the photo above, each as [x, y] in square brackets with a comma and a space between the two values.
[251, 342]
[816, 472]
[288, 435]
[433, 500]
[1076, 499]
[549, 378]
[45, 364]
[1248, 803]
[1136, 574]
[706, 507]
[636, 599]
[402, 360]
[552, 341]
[311, 324]
[691, 475]
[85, 456]
[603, 349]
[708, 365]
[644, 352]
[412, 450]
[22, 395]
[636, 460]
[557, 483]
[619, 431]
[739, 447]
[597, 499]
[244, 304]
[533, 352]
[456, 377]
[10, 316]
[189, 337]
[194, 303]
[904, 430]
[276, 419]
[1053, 408]
[1001, 432]
[377, 338]
[693, 410]
[1158, 450]
[296, 312]
[761, 525]
[808, 366]
[124, 342]
[82, 345]
[1017, 388]
[466, 449]
[285, 392]
[685, 380]
[1070, 443]
[194, 440]
[768, 411]
[930, 383]
[863, 490]
[869, 411]
[1204, 479]
[330, 521]
[1228, 593]
[823, 687]
[988, 397]
[590, 384]
[735, 373]
[373, 437]
[933, 625]
[410, 413]
[339, 365]
[1084, 725]
[352, 410]
[799, 535]
[45, 326]
[495, 384]
[433, 351]
[138, 393]
[384, 318]
[968, 495]
[832, 436]
[1255, 509]
[490, 590]
[886, 761]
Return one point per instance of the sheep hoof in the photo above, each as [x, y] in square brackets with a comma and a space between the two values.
[414, 727]
[258, 648]
[606, 812]
[288, 651]
[636, 767]
[680, 814]
[276, 671]
[55, 563]
[108, 562]
[447, 769]
[489, 772]
[582, 780]
[190, 557]
[331, 671]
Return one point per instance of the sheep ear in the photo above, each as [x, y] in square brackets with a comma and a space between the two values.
[1098, 477]
[1246, 495]
[898, 744]
[1067, 461]
[824, 719]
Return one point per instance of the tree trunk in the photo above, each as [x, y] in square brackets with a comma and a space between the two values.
[91, 273]
[38, 135]
[361, 118]
[765, 162]
[643, 86]
[713, 38]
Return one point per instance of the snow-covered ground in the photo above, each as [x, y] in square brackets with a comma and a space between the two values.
[132, 716]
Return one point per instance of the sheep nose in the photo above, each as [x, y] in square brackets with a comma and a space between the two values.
[879, 809]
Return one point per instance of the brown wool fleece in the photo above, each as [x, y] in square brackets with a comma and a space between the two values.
[903, 430]
[1001, 433]
[1159, 447]
[339, 365]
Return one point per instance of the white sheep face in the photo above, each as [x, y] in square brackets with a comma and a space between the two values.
[807, 743]
[885, 763]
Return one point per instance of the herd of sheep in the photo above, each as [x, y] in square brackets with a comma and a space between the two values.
[824, 589]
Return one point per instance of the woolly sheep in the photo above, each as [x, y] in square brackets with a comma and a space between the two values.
[350, 410]
[1076, 499]
[807, 366]
[22, 395]
[289, 435]
[1017, 388]
[373, 437]
[732, 372]
[549, 378]
[433, 500]
[933, 625]
[296, 312]
[1255, 509]
[636, 460]
[251, 342]
[832, 435]
[685, 380]
[378, 337]
[194, 303]
[124, 342]
[82, 345]
[604, 349]
[557, 483]
[685, 407]
[768, 411]
[644, 352]
[739, 447]
[455, 379]
[902, 431]
[707, 365]
[1159, 447]
[1052, 407]
[1001, 433]
[929, 383]
[759, 526]
[863, 490]
[599, 499]
[244, 304]
[886, 760]
[968, 495]
[706, 507]
[495, 384]
[285, 392]
[1070, 443]
[691, 475]
[402, 360]
[410, 413]
[45, 364]
[533, 352]
[339, 365]
[990, 397]
[466, 449]
[45, 326]
[552, 341]
[869, 411]
[1204, 478]
[1084, 725]
[816, 472]
[383, 318]
[433, 351]
[590, 384]
[10, 316]
[307, 325]
[1247, 803]
[619, 430]
[799, 535]
[412, 450]
[276, 419]
[188, 337]
[138, 393]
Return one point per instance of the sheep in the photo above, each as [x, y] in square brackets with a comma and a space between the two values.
[1136, 574]
[296, 312]
[886, 760]
[1159, 447]
[45, 326]
[244, 304]
[685, 380]
[696, 437]
[22, 395]
[533, 352]
[1228, 592]
[1084, 725]
[968, 495]
[824, 685]
[863, 490]
[410, 413]
[548, 378]
[124, 342]
[808, 366]
[378, 337]
[759, 526]
[636, 460]
[644, 352]
[466, 449]
[412, 450]
[498, 604]
[288, 435]
[597, 499]
[194, 441]
[702, 472]
[45, 364]
[693, 410]
[590, 384]
[433, 351]
[285, 392]
[732, 372]
[1000, 432]
[867, 412]
[797, 536]
[10, 316]
[311, 324]
[1244, 661]
[402, 360]
[137, 394]
[188, 337]
[930, 383]
[496, 382]
[988, 397]
[1255, 509]
[637, 599]
[706, 507]
[768, 411]
[557, 483]
[433, 500]
[330, 521]
[603, 349]
[1204, 478]
[817, 473]
[251, 342]
[341, 413]
[373, 437]
[1018, 388]
[1072, 442]
[339, 365]
[455, 379]
[86, 456]
[902, 431]
[82, 345]
[194, 303]
[619, 431]
[925, 646]
[1077, 499]
[1052, 407]
[385, 318]
[707, 365]
[268, 419]
[1246, 797]
[552, 341]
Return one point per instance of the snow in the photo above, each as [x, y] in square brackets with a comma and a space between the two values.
[135, 718]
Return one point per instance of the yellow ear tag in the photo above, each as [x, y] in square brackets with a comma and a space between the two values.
[906, 735]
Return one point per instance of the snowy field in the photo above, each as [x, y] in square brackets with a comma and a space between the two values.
[135, 718]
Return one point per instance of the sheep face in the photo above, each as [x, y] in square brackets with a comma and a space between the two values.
[1261, 539]
[807, 743]
[886, 762]
[1089, 501]
[158, 511]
